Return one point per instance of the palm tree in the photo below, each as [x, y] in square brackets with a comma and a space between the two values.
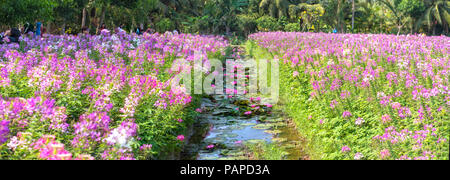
[276, 8]
[400, 17]
[436, 13]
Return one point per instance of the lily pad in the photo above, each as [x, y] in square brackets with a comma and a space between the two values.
[221, 112]
[255, 141]
[263, 126]
[279, 140]
[248, 124]
[279, 124]
[274, 120]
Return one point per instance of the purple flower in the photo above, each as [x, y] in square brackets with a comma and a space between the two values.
[4, 131]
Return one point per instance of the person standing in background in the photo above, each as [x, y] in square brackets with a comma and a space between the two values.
[102, 27]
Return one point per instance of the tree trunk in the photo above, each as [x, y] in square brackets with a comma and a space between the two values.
[63, 28]
[83, 18]
[446, 29]
[353, 14]
[49, 27]
[102, 19]
[434, 29]
[338, 19]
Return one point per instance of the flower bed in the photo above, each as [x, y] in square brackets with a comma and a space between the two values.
[96, 97]
[364, 96]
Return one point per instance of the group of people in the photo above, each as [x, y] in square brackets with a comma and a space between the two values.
[119, 29]
[12, 35]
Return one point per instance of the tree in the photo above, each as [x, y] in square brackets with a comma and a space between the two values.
[437, 13]
[393, 6]
[412, 9]
[276, 8]
[307, 14]
[15, 12]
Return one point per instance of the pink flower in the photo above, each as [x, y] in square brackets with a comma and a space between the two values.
[396, 105]
[295, 74]
[385, 118]
[385, 153]
[268, 105]
[145, 147]
[210, 146]
[248, 113]
[198, 110]
[345, 149]
[345, 94]
[333, 104]
[180, 120]
[180, 137]
[346, 114]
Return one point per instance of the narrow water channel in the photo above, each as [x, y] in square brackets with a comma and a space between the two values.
[223, 130]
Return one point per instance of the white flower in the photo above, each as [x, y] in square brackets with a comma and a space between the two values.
[359, 121]
[358, 156]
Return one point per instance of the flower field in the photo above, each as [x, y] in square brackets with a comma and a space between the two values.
[96, 97]
[364, 96]
[351, 96]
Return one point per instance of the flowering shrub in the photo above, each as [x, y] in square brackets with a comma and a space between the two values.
[96, 97]
[379, 96]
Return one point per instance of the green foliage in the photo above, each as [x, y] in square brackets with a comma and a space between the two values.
[292, 27]
[14, 12]
[18, 88]
[247, 23]
[437, 13]
[267, 23]
[239, 17]
[275, 8]
[160, 127]
[414, 8]
[264, 151]
[165, 25]
[327, 131]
